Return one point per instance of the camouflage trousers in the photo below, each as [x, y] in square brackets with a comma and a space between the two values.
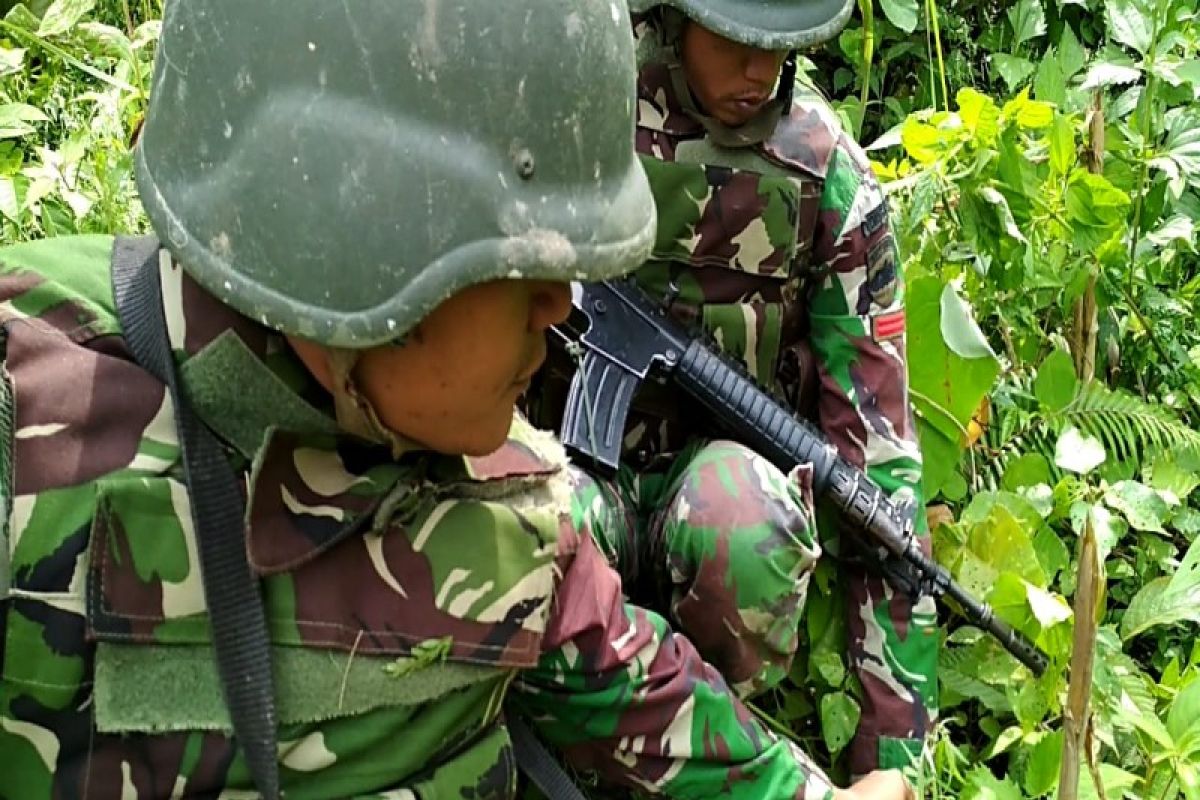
[724, 543]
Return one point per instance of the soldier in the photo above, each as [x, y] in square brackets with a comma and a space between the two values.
[269, 520]
[773, 234]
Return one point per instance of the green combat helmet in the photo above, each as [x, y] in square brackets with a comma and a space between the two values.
[765, 24]
[335, 171]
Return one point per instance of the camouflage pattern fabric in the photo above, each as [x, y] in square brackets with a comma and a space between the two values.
[781, 249]
[408, 600]
[727, 544]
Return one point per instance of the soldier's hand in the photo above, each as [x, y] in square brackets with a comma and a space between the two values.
[884, 784]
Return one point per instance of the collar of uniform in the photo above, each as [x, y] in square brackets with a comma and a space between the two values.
[310, 491]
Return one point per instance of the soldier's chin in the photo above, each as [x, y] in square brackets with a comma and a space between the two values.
[482, 437]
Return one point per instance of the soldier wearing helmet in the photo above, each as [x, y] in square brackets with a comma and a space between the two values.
[773, 234]
[270, 522]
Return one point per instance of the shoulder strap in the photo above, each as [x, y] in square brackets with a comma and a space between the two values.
[239, 624]
[541, 767]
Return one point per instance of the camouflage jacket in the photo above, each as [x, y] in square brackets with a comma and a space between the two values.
[406, 599]
[780, 246]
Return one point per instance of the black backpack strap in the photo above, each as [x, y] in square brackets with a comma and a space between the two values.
[541, 767]
[235, 607]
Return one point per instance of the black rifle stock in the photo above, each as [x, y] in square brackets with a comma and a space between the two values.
[623, 337]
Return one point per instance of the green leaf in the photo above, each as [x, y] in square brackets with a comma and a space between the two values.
[1050, 84]
[955, 371]
[1105, 74]
[1109, 528]
[979, 114]
[901, 13]
[1143, 507]
[1052, 553]
[1028, 20]
[1189, 71]
[1028, 113]
[1056, 383]
[11, 59]
[839, 720]
[959, 329]
[15, 119]
[1155, 605]
[1183, 718]
[1049, 609]
[1117, 783]
[1014, 70]
[981, 784]
[923, 142]
[1071, 55]
[1028, 470]
[1062, 145]
[1041, 769]
[1177, 472]
[1130, 23]
[62, 14]
[828, 665]
[1078, 452]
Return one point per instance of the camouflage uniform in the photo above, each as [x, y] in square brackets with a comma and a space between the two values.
[779, 246]
[406, 598]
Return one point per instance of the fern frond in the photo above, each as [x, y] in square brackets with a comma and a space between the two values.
[1130, 429]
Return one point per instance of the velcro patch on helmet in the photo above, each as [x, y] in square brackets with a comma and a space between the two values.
[888, 326]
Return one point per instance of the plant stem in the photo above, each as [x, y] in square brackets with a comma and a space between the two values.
[867, 7]
[1077, 714]
[931, 11]
[1147, 102]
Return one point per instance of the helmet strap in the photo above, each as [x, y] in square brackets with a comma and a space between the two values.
[354, 412]
[787, 83]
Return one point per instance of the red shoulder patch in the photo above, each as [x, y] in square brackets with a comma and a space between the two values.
[887, 326]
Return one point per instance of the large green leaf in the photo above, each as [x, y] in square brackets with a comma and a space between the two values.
[955, 370]
[1117, 783]
[981, 784]
[1143, 507]
[901, 13]
[1158, 604]
[15, 119]
[1130, 22]
[1015, 70]
[1056, 384]
[1028, 20]
[1183, 718]
[62, 14]
[1041, 769]
[997, 541]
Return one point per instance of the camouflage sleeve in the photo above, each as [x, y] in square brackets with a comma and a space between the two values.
[858, 337]
[620, 694]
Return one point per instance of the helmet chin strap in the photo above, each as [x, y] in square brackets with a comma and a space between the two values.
[669, 24]
[354, 412]
[787, 83]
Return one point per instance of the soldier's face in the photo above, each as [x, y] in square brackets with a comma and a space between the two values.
[453, 383]
[732, 81]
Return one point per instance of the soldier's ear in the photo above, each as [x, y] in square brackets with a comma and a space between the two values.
[315, 358]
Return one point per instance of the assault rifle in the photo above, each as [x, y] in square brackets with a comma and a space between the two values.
[624, 337]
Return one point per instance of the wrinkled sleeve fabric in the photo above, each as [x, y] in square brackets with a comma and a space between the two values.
[621, 694]
[856, 312]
